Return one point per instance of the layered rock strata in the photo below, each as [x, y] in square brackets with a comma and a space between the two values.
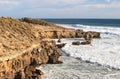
[70, 34]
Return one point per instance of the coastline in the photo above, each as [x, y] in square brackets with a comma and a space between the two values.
[20, 35]
[45, 50]
[75, 69]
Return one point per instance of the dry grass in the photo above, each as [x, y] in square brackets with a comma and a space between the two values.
[15, 35]
[36, 21]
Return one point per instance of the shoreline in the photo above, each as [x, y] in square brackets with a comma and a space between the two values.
[99, 50]
[76, 69]
[47, 52]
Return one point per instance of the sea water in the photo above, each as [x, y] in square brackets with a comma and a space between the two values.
[100, 60]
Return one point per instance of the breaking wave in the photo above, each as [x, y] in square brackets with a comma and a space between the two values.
[104, 51]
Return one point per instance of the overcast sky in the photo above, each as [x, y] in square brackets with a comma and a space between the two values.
[60, 8]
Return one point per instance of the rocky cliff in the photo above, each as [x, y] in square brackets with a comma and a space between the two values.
[23, 66]
[27, 45]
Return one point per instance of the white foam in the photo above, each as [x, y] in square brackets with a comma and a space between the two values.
[75, 69]
[102, 29]
[104, 51]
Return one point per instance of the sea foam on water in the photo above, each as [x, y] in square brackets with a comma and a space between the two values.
[100, 58]
[104, 51]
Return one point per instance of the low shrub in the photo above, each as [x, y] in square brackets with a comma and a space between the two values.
[36, 21]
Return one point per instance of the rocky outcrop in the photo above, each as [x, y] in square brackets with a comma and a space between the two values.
[60, 34]
[61, 45]
[30, 72]
[59, 41]
[23, 47]
[76, 43]
[88, 36]
[86, 42]
[79, 33]
[71, 34]
[93, 34]
[23, 66]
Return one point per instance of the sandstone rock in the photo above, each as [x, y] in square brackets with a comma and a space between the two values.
[32, 73]
[53, 58]
[23, 47]
[51, 34]
[95, 34]
[76, 43]
[23, 66]
[59, 34]
[59, 40]
[87, 36]
[61, 45]
[79, 33]
[68, 33]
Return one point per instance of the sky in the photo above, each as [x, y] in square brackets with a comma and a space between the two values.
[60, 8]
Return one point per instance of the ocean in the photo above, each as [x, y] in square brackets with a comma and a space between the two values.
[91, 22]
[100, 60]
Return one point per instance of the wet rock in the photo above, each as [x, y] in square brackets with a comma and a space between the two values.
[95, 34]
[86, 42]
[61, 45]
[59, 40]
[88, 36]
[53, 59]
[76, 43]
[23, 66]
[33, 73]
[79, 33]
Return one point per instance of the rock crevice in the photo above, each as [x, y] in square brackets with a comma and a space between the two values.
[23, 66]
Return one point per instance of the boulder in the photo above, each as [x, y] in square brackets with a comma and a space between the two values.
[87, 36]
[86, 42]
[79, 33]
[61, 45]
[53, 58]
[94, 34]
[76, 43]
[59, 40]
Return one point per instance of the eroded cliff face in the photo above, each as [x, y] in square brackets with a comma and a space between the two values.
[23, 66]
[24, 46]
[70, 33]
[22, 49]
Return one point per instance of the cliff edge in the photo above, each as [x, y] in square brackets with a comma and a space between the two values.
[27, 44]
